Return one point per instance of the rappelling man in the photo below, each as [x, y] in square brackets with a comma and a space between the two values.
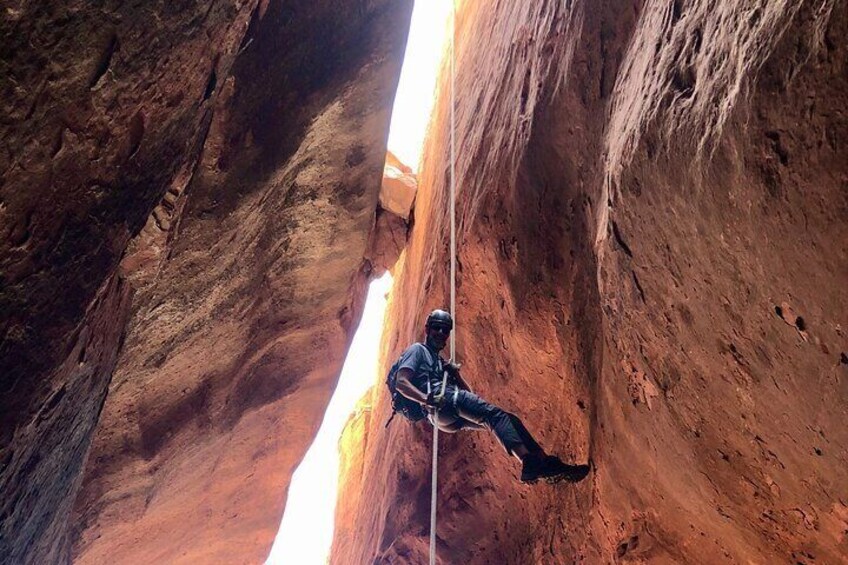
[418, 376]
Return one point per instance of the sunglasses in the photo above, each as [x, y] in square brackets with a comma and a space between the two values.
[445, 330]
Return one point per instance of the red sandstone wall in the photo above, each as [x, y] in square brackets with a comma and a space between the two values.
[241, 324]
[101, 105]
[228, 155]
[652, 259]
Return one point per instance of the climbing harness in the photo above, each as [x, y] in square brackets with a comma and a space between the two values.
[434, 490]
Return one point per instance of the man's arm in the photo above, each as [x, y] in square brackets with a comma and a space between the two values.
[406, 388]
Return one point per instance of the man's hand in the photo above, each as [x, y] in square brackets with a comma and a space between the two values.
[436, 401]
[453, 369]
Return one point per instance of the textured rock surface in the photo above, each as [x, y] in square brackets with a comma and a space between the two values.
[228, 155]
[652, 258]
[246, 308]
[397, 193]
[397, 198]
[101, 105]
[387, 242]
[42, 465]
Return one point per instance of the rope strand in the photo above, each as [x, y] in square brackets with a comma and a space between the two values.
[453, 183]
[434, 492]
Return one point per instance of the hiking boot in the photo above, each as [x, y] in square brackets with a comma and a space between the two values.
[551, 469]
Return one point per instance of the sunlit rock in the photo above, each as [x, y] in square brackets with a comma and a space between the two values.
[652, 266]
[397, 193]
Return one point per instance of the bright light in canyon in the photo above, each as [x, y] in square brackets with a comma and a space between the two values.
[428, 40]
[306, 531]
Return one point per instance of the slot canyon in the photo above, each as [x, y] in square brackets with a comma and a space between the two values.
[651, 268]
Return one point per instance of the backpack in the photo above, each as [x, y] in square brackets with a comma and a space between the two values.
[410, 410]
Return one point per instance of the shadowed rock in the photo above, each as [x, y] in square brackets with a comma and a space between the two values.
[207, 148]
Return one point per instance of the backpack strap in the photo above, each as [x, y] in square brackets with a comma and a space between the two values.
[392, 372]
[392, 417]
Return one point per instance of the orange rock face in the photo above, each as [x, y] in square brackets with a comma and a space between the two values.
[397, 193]
[101, 105]
[397, 197]
[228, 155]
[238, 337]
[652, 265]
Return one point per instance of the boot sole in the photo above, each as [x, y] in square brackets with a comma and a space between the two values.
[565, 477]
[554, 479]
[550, 480]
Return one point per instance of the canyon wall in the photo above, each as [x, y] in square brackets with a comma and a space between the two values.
[195, 186]
[237, 340]
[100, 106]
[651, 264]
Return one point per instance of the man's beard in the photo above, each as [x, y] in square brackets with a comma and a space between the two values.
[437, 344]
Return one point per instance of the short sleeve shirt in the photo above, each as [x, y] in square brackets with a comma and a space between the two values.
[424, 363]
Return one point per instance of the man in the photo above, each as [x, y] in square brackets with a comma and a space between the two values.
[419, 378]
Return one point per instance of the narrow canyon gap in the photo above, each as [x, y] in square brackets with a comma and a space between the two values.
[305, 532]
[652, 203]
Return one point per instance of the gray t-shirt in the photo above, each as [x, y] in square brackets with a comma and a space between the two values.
[425, 364]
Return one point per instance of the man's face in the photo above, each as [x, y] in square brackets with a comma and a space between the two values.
[437, 336]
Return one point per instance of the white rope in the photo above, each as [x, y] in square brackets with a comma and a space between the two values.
[434, 483]
[453, 186]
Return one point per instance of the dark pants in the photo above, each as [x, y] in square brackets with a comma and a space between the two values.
[464, 410]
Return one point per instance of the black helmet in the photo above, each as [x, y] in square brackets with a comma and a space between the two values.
[439, 318]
